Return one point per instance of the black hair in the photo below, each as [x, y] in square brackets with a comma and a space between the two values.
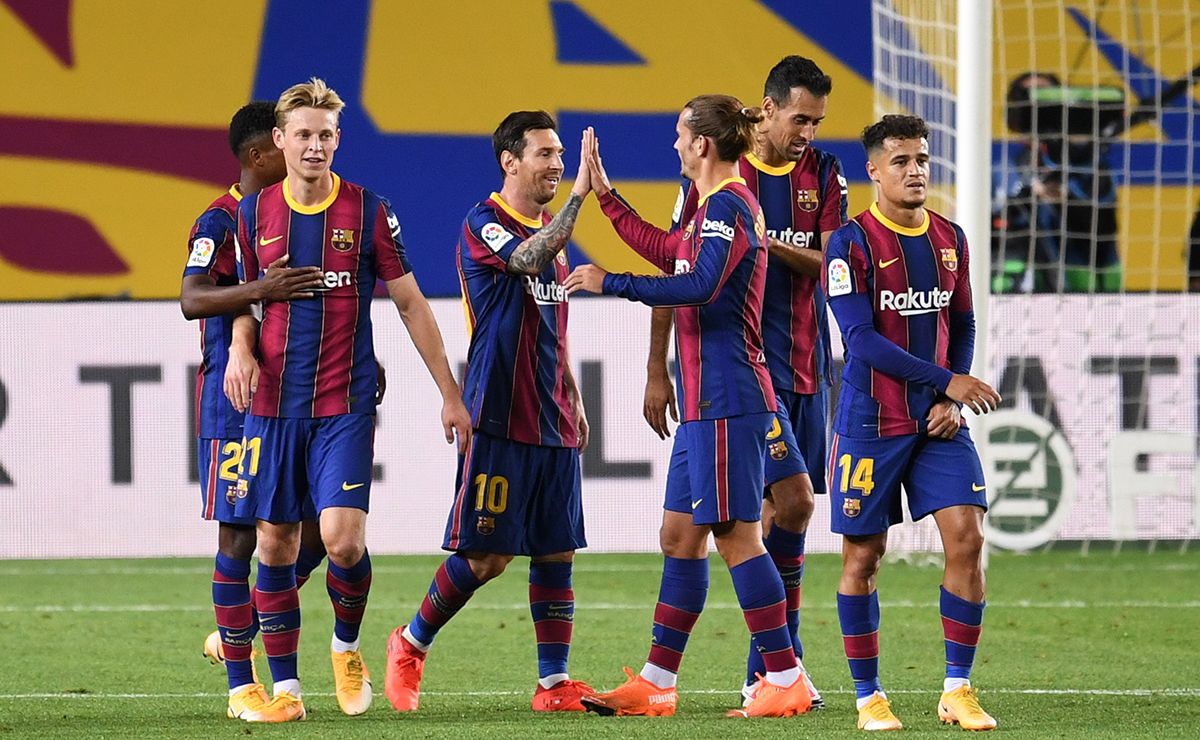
[250, 122]
[893, 127]
[796, 71]
[509, 136]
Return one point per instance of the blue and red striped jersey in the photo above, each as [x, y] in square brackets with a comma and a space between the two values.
[316, 355]
[799, 200]
[716, 268]
[517, 359]
[212, 251]
[902, 299]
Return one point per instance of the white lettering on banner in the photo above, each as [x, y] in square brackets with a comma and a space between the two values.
[1129, 483]
[58, 439]
[912, 303]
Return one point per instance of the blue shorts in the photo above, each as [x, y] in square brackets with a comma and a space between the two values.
[293, 469]
[865, 476]
[797, 445]
[514, 498]
[217, 462]
[716, 471]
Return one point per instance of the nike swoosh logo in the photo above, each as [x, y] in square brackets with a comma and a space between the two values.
[262, 242]
[695, 504]
[884, 264]
[351, 486]
[977, 488]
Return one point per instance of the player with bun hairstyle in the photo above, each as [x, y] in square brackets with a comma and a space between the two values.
[715, 270]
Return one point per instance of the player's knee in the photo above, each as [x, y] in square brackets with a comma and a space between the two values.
[487, 566]
[237, 542]
[861, 561]
[793, 501]
[677, 544]
[345, 552]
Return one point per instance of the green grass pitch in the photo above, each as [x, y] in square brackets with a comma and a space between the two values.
[1096, 646]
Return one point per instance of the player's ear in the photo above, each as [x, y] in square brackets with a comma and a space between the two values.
[508, 162]
[277, 136]
[872, 172]
[768, 106]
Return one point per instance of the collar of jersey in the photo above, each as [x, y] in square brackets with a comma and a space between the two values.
[532, 223]
[236, 192]
[310, 210]
[901, 230]
[720, 185]
[762, 166]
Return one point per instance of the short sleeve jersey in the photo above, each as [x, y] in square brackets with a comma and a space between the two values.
[517, 360]
[316, 354]
[212, 251]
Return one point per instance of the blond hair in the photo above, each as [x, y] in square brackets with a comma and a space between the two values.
[312, 94]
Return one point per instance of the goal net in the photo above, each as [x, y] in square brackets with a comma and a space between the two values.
[1093, 337]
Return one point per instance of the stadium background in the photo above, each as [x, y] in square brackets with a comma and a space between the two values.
[114, 140]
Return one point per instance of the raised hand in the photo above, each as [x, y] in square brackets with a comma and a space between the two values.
[600, 183]
[583, 178]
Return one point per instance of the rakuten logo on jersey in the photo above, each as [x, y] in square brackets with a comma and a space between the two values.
[911, 303]
[545, 294]
[332, 279]
[799, 239]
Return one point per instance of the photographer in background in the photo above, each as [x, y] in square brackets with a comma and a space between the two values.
[1055, 216]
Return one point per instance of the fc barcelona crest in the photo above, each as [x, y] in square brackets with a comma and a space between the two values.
[807, 200]
[778, 450]
[562, 258]
[485, 524]
[851, 507]
[687, 232]
[342, 239]
[950, 259]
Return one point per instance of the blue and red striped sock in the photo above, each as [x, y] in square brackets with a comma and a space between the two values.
[306, 563]
[786, 549]
[278, 604]
[681, 598]
[452, 587]
[760, 594]
[859, 616]
[552, 604]
[348, 589]
[962, 621]
[235, 617]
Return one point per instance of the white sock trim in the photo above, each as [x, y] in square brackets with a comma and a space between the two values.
[660, 677]
[950, 684]
[290, 685]
[783, 678]
[554, 678]
[338, 646]
[408, 635]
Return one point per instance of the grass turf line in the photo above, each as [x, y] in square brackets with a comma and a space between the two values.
[1126, 624]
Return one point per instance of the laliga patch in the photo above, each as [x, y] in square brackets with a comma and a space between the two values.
[678, 211]
[202, 252]
[495, 236]
[839, 277]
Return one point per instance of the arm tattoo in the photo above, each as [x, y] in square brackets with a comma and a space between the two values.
[532, 256]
